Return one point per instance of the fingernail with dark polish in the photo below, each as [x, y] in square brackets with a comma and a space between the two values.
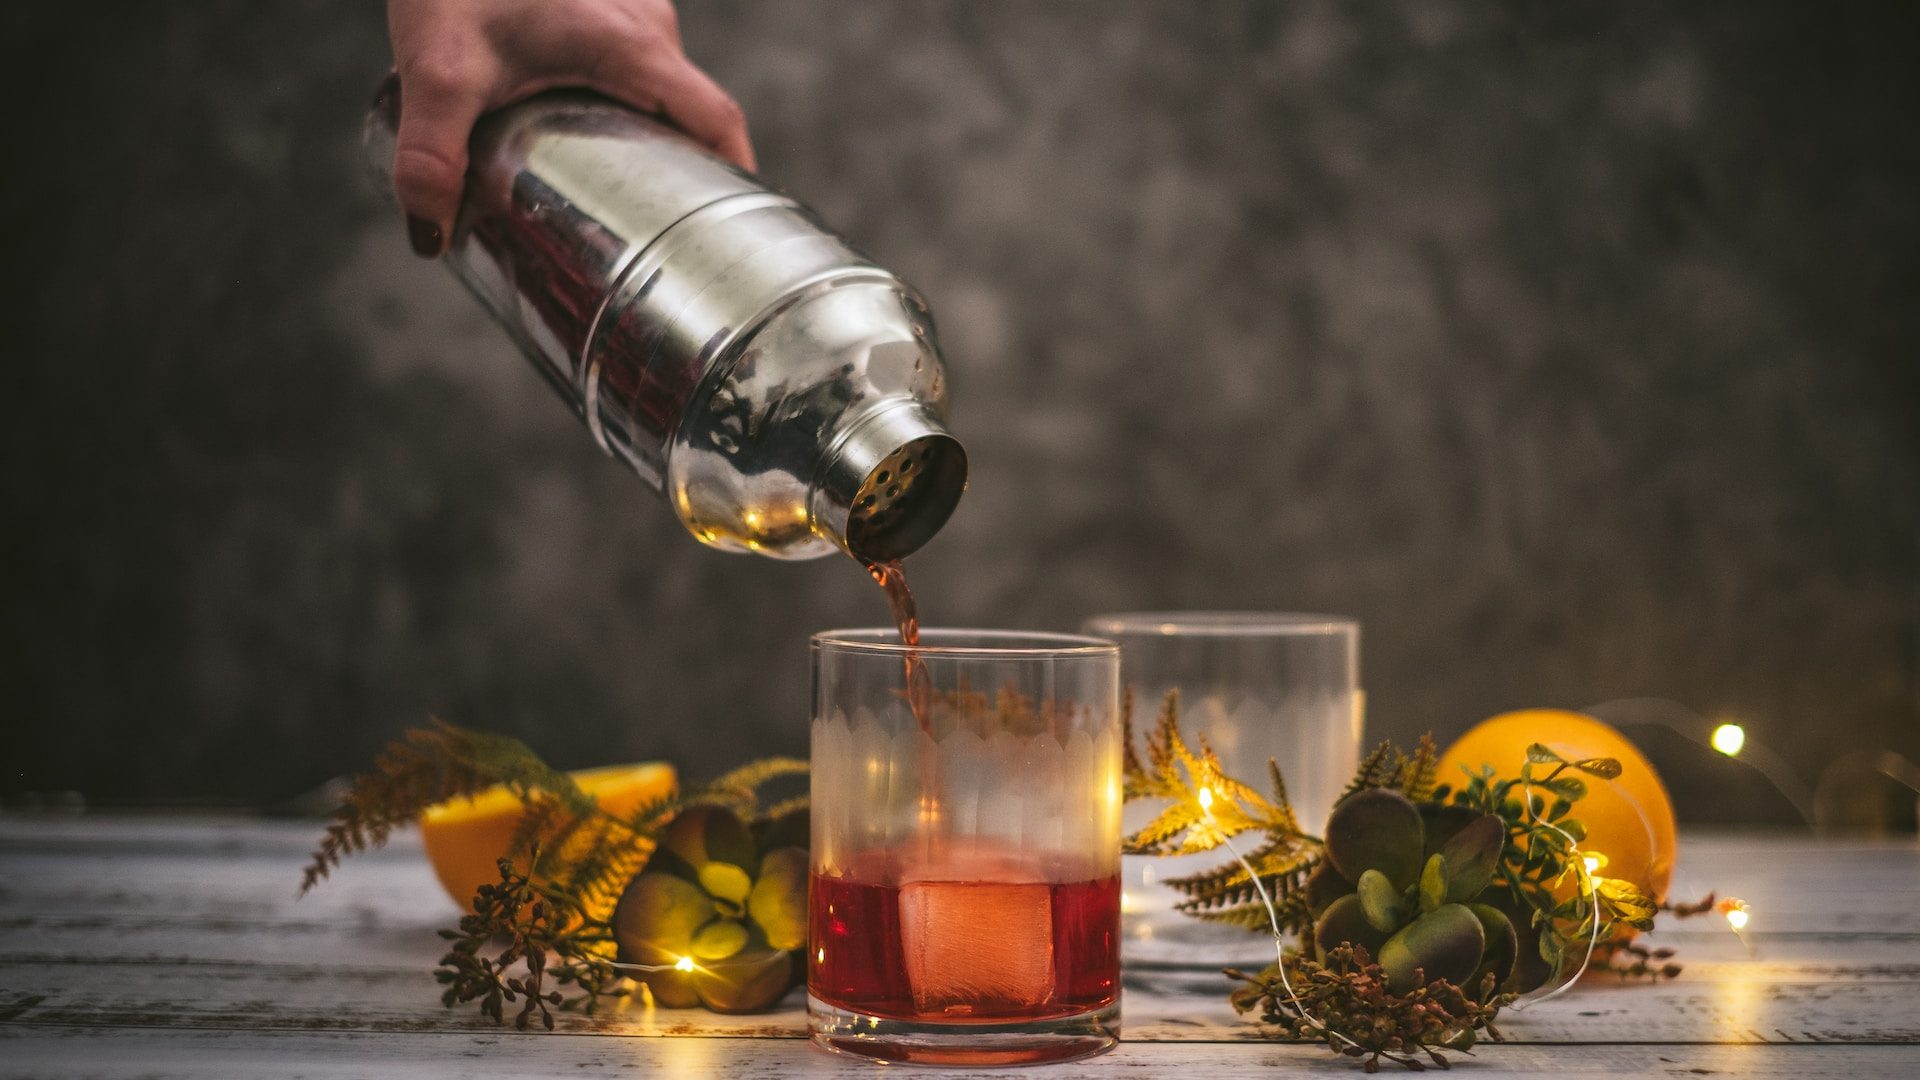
[425, 237]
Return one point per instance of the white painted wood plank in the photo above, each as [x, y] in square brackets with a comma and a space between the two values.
[249, 869]
[192, 925]
[244, 869]
[1754, 1003]
[380, 939]
[63, 1054]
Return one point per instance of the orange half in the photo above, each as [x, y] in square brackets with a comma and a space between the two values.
[1628, 819]
[466, 837]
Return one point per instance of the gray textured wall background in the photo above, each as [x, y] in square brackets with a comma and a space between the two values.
[1571, 347]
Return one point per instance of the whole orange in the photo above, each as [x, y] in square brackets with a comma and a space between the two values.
[1628, 819]
[466, 837]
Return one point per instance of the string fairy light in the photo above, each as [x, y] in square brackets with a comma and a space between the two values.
[1728, 738]
[1586, 863]
[685, 964]
[1273, 919]
[1738, 915]
[1736, 912]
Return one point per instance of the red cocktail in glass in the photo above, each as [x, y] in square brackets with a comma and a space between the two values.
[965, 899]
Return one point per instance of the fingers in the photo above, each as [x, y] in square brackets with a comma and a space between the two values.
[438, 106]
[669, 84]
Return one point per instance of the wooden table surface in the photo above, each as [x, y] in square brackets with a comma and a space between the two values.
[162, 947]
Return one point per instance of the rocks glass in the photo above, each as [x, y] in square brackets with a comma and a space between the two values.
[965, 895]
[1257, 685]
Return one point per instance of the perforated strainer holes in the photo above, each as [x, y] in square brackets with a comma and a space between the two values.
[883, 498]
[905, 498]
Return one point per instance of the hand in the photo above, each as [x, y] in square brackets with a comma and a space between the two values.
[458, 59]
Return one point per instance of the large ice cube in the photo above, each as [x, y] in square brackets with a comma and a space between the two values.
[977, 947]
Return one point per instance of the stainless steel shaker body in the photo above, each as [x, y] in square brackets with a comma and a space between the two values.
[783, 392]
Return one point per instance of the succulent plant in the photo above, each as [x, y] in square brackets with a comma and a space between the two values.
[1404, 882]
[726, 903]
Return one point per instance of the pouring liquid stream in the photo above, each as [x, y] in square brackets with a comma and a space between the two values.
[892, 579]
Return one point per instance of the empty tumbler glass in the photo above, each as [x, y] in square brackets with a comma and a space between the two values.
[965, 898]
[1257, 685]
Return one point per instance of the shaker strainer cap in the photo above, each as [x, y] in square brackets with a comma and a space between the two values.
[891, 483]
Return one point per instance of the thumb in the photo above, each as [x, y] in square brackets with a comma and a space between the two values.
[438, 107]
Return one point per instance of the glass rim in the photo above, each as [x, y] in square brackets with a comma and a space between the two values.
[1221, 623]
[968, 643]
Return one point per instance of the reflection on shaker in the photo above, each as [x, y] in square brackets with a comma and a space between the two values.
[712, 334]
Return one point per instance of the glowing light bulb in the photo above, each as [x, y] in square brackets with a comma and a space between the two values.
[1206, 801]
[1729, 738]
[1593, 863]
[685, 963]
[1735, 909]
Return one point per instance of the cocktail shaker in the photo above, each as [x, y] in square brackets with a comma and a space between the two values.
[782, 391]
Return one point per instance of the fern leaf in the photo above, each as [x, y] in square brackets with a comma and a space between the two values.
[509, 761]
[540, 824]
[426, 766]
[1132, 773]
[1290, 912]
[1165, 747]
[1155, 838]
[781, 809]
[1376, 770]
[1282, 865]
[1215, 776]
[739, 789]
[1252, 916]
[1279, 858]
[752, 775]
[1419, 774]
[649, 818]
[611, 853]
[1285, 821]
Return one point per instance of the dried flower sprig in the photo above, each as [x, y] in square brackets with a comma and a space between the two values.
[1345, 1002]
[544, 939]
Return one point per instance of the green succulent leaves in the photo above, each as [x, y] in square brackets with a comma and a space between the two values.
[1399, 883]
[712, 900]
[1433, 883]
[1445, 943]
[1376, 829]
[719, 939]
[1345, 922]
[1384, 907]
[726, 882]
[657, 918]
[778, 903]
[1472, 854]
[1502, 944]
